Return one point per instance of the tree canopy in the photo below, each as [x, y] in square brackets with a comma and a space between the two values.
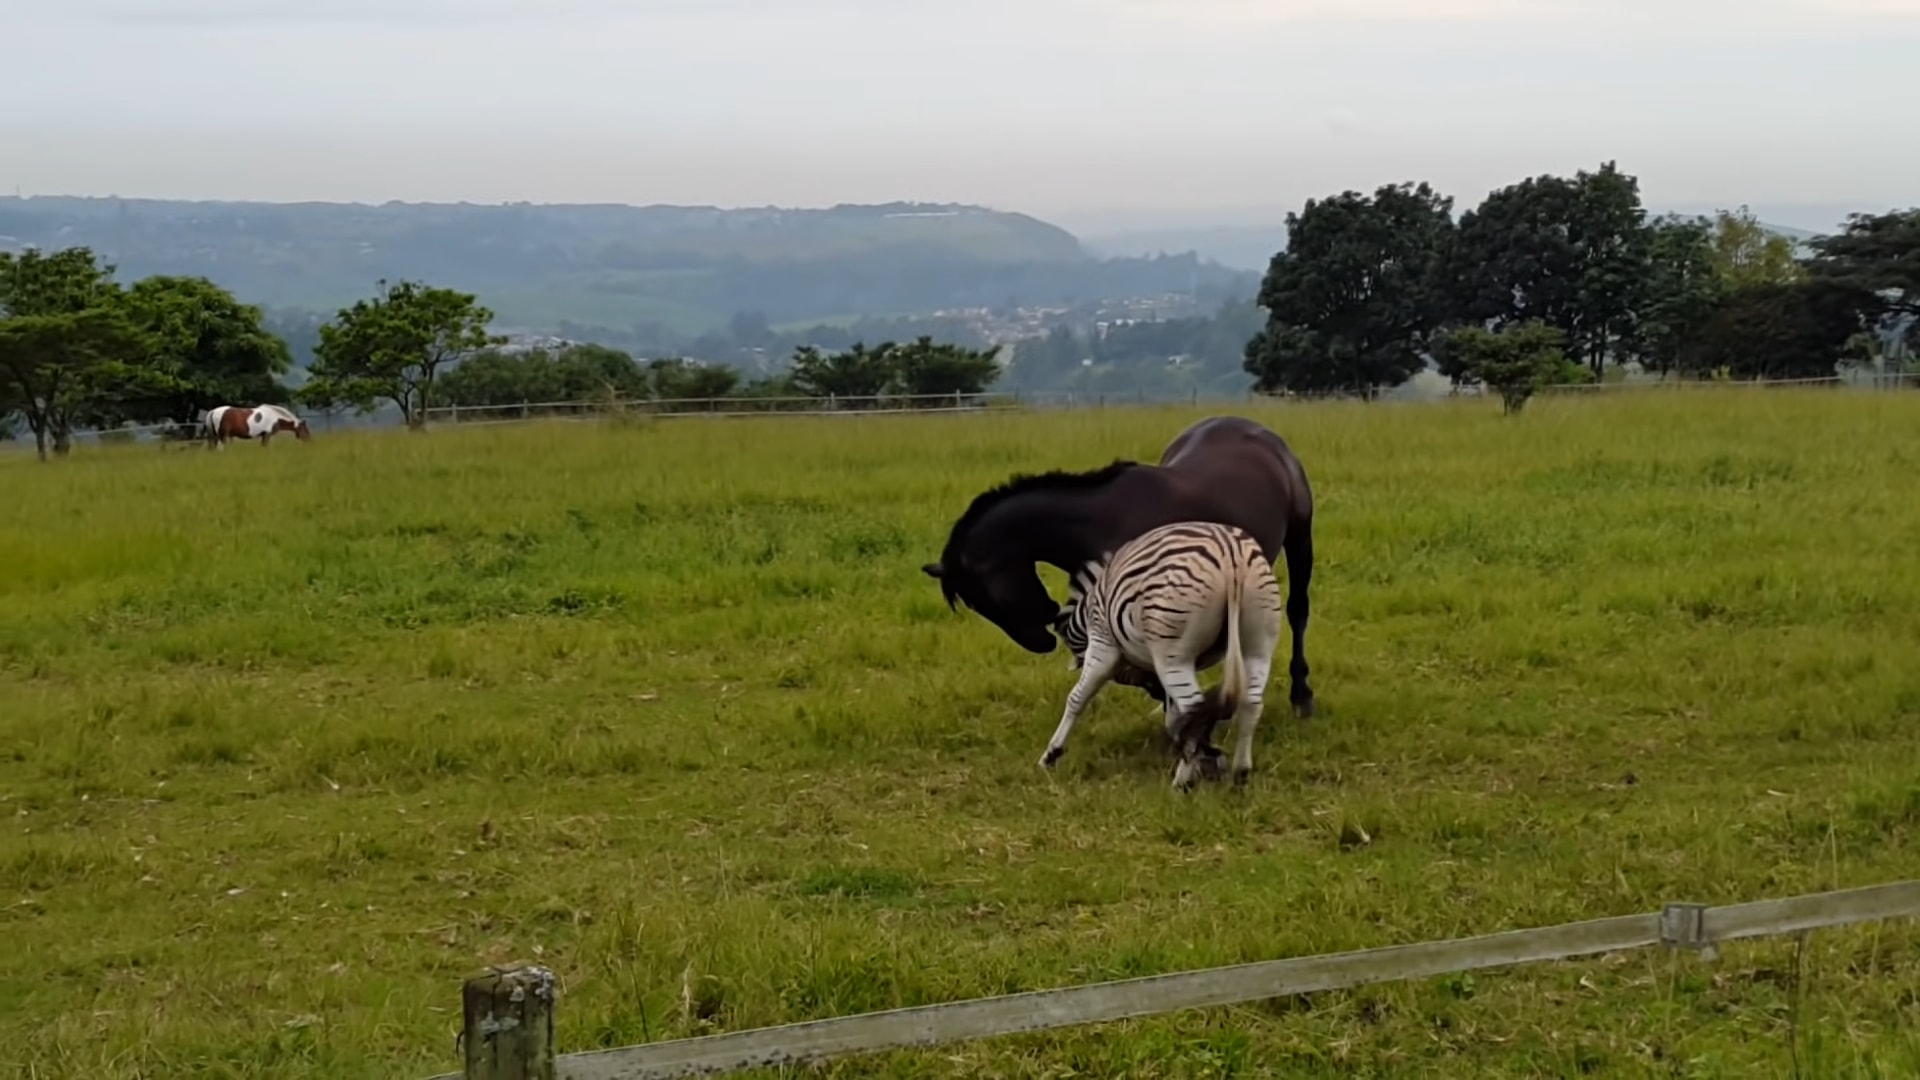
[1357, 294]
[70, 352]
[392, 346]
[1369, 288]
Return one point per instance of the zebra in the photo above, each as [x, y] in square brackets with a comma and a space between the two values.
[1158, 603]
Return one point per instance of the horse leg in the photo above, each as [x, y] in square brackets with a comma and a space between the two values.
[1299, 552]
[1098, 667]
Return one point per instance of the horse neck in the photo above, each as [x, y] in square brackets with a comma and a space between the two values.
[1063, 528]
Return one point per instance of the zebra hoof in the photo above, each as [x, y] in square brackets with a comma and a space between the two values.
[1183, 776]
[1240, 777]
[1052, 755]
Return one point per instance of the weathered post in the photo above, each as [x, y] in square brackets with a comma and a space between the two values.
[508, 1024]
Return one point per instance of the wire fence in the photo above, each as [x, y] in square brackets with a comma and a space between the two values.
[1424, 388]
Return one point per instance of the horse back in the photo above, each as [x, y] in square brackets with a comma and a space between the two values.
[1238, 472]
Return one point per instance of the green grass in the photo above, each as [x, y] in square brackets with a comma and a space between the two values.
[291, 740]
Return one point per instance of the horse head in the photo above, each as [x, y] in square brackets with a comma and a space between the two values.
[300, 431]
[991, 559]
[1006, 592]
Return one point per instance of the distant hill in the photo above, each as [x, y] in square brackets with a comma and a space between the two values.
[652, 272]
[1242, 247]
[1252, 247]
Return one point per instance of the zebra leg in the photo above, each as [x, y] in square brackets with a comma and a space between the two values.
[1259, 665]
[1098, 667]
[1186, 719]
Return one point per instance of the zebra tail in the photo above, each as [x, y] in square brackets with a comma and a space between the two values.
[1233, 672]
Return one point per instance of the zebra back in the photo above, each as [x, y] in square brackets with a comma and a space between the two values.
[1197, 554]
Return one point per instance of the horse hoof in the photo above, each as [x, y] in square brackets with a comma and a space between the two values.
[1208, 766]
[1304, 709]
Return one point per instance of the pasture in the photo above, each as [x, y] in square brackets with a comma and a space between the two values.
[293, 739]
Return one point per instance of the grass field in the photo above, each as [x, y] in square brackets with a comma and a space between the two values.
[292, 740]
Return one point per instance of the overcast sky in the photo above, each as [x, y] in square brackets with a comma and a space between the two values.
[1056, 107]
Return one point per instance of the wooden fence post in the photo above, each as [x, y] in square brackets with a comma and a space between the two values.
[507, 1031]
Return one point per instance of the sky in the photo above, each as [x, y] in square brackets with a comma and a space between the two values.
[1075, 110]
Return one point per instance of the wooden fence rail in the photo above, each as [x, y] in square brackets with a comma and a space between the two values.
[508, 1033]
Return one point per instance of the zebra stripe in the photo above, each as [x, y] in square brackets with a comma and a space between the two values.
[1160, 602]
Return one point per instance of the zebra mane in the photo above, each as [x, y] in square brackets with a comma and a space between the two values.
[1079, 583]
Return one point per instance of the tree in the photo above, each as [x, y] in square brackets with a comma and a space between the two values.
[1354, 299]
[1803, 330]
[1880, 252]
[924, 369]
[214, 349]
[491, 378]
[1745, 254]
[857, 372]
[676, 379]
[1683, 286]
[392, 346]
[1514, 260]
[1515, 361]
[69, 355]
[1610, 241]
[1571, 253]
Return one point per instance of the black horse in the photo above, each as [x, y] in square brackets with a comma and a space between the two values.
[1223, 468]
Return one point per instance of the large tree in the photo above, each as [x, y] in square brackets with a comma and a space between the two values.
[392, 346]
[1683, 287]
[1568, 252]
[1802, 330]
[216, 349]
[69, 354]
[1354, 299]
[1880, 252]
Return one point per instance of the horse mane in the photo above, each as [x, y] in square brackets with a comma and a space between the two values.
[1018, 484]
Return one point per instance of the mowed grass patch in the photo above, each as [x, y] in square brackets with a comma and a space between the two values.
[293, 739]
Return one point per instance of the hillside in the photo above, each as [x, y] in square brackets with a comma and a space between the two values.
[1251, 247]
[651, 272]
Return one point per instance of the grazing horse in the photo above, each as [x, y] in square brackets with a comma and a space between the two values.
[225, 422]
[1224, 469]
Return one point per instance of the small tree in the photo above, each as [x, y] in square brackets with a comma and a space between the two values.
[924, 369]
[1514, 362]
[858, 372]
[1746, 255]
[391, 347]
[677, 379]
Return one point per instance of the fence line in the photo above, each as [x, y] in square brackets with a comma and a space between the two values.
[947, 404]
[508, 1032]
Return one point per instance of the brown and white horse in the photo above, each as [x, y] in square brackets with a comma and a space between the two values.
[225, 422]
